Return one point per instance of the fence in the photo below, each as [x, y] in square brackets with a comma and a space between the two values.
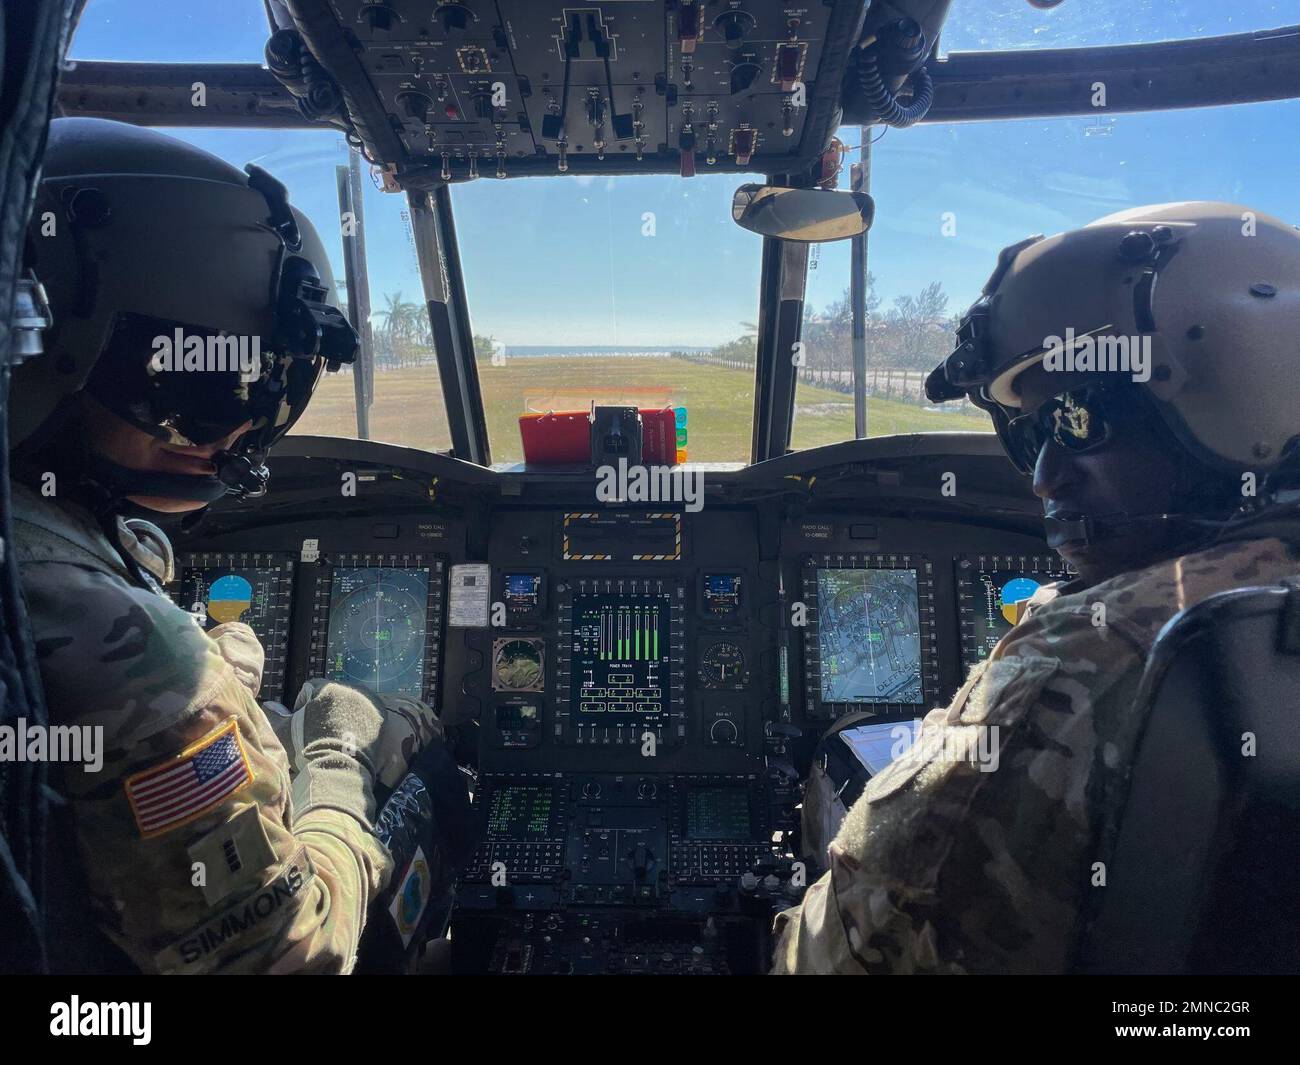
[886, 382]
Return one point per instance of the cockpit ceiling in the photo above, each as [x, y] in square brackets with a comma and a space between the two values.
[501, 87]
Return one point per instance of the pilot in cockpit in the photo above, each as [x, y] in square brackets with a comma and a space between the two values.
[1143, 370]
[193, 314]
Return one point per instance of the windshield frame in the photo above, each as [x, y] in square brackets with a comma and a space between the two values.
[1262, 65]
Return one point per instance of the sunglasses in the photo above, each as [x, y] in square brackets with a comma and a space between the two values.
[1078, 421]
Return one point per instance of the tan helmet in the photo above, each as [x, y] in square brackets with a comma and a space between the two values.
[1208, 292]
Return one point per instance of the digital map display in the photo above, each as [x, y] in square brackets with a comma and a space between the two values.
[378, 629]
[869, 630]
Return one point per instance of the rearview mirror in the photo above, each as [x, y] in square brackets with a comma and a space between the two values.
[808, 216]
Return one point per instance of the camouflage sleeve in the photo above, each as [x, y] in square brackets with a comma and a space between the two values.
[243, 652]
[194, 860]
[971, 852]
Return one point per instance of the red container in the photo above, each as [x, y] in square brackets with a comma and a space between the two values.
[564, 437]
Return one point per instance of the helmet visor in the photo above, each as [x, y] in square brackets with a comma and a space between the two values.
[1079, 420]
[192, 385]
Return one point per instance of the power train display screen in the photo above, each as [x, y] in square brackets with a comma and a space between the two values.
[620, 661]
[619, 669]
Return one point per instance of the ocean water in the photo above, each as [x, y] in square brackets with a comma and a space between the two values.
[573, 351]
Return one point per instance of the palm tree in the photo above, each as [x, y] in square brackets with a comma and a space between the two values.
[392, 317]
[392, 312]
[405, 327]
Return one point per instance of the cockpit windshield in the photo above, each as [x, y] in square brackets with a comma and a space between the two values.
[633, 290]
[638, 289]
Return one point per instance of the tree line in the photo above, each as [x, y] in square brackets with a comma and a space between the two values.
[914, 334]
[402, 337]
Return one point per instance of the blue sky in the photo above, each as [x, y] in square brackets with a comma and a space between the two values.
[567, 260]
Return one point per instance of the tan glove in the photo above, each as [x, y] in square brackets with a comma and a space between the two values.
[408, 725]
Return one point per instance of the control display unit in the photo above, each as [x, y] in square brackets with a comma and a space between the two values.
[256, 589]
[992, 591]
[378, 622]
[619, 670]
[523, 823]
[719, 828]
[720, 812]
[870, 639]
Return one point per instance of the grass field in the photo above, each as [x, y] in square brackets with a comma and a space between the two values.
[408, 404]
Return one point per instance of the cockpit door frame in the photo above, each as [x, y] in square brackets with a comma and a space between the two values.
[434, 229]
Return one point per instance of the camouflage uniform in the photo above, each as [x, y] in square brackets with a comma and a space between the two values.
[282, 890]
[940, 868]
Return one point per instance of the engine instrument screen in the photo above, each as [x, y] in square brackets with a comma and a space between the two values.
[869, 632]
[378, 629]
[717, 813]
[620, 662]
[258, 595]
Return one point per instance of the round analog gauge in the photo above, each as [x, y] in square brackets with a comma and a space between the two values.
[723, 666]
[517, 666]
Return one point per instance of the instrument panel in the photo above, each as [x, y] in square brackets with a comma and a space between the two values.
[638, 691]
[509, 87]
[377, 621]
[251, 587]
[992, 593]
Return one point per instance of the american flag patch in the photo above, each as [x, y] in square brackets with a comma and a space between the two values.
[188, 786]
